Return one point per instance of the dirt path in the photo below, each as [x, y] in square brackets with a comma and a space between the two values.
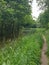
[44, 59]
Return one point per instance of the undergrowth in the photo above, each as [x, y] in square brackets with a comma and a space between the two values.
[26, 51]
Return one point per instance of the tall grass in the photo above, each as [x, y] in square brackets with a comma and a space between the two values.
[26, 51]
[47, 38]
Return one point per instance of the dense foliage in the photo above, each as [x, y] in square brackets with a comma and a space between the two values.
[12, 14]
[44, 16]
[44, 19]
[26, 51]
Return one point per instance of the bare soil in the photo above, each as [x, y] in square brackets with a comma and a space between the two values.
[44, 59]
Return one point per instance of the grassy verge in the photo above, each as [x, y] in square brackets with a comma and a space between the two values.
[26, 51]
[47, 38]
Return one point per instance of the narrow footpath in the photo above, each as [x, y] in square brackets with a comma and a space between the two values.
[44, 59]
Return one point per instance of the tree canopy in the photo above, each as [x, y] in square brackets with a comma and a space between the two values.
[44, 16]
[12, 15]
[44, 4]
